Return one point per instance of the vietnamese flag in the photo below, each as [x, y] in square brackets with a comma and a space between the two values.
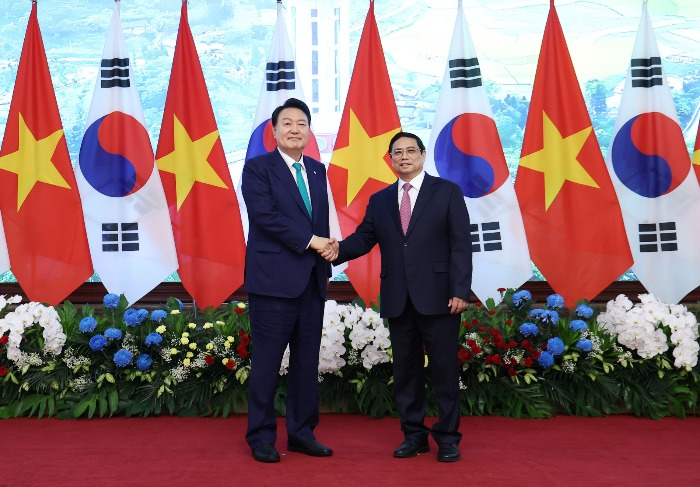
[572, 219]
[39, 198]
[360, 165]
[201, 197]
[696, 155]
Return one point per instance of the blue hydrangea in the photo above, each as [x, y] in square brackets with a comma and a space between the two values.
[528, 329]
[536, 313]
[122, 358]
[555, 301]
[87, 324]
[584, 311]
[143, 314]
[131, 317]
[113, 334]
[584, 344]
[158, 315]
[520, 297]
[111, 301]
[98, 342]
[546, 360]
[555, 346]
[153, 339]
[143, 362]
[578, 325]
[550, 316]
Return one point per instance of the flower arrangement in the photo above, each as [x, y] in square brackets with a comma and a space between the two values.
[520, 359]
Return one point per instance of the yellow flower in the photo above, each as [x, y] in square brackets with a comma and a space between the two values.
[210, 346]
[193, 345]
[160, 329]
[175, 312]
[426, 361]
[184, 340]
[227, 344]
[207, 326]
[185, 334]
[189, 355]
[241, 305]
[230, 339]
[224, 361]
[220, 323]
[192, 326]
[173, 351]
[186, 362]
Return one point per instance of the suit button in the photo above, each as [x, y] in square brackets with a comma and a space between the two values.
[405, 244]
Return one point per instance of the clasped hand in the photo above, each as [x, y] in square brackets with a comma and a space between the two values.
[326, 247]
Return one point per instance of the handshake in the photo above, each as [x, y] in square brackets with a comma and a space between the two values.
[326, 247]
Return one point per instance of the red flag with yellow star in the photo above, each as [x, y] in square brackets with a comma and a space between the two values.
[39, 198]
[696, 155]
[572, 218]
[201, 197]
[360, 165]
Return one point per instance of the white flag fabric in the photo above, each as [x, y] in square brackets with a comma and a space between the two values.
[650, 168]
[126, 214]
[4, 256]
[465, 148]
[281, 82]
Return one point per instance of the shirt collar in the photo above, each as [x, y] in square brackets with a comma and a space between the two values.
[416, 182]
[289, 161]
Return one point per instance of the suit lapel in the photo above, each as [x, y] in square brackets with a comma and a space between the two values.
[315, 190]
[393, 195]
[424, 195]
[281, 170]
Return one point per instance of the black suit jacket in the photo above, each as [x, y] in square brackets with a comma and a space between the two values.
[277, 260]
[432, 262]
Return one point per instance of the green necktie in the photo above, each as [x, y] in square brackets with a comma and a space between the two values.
[302, 187]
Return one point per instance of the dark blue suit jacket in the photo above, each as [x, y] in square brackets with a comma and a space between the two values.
[277, 260]
[432, 262]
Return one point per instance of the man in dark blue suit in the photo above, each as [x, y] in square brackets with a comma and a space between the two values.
[286, 279]
[423, 234]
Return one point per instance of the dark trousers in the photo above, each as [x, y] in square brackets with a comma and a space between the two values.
[411, 333]
[276, 322]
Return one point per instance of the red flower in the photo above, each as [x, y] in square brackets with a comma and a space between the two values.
[231, 364]
[494, 332]
[3, 340]
[209, 359]
[471, 343]
[513, 362]
[475, 322]
[496, 358]
[3, 371]
[501, 289]
[465, 324]
[492, 312]
[238, 311]
[482, 328]
[525, 343]
[509, 322]
[512, 372]
[476, 349]
[512, 344]
[245, 339]
[535, 354]
[242, 351]
[478, 304]
[527, 362]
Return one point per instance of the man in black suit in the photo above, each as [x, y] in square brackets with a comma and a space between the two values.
[286, 280]
[423, 234]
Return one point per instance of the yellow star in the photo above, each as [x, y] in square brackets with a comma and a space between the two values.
[557, 160]
[32, 162]
[696, 157]
[364, 158]
[188, 161]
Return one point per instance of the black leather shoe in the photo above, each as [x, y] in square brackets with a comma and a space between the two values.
[266, 454]
[448, 452]
[311, 447]
[411, 448]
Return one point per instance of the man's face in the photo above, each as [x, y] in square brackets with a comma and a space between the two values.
[406, 158]
[292, 131]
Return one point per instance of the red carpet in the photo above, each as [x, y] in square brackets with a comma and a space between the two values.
[567, 451]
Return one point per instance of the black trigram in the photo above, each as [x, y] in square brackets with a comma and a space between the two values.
[646, 72]
[116, 234]
[280, 76]
[115, 73]
[464, 73]
[658, 238]
[486, 239]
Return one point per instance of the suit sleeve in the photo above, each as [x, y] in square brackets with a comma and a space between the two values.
[460, 246]
[263, 213]
[361, 240]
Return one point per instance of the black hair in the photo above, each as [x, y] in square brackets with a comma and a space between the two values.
[410, 136]
[291, 103]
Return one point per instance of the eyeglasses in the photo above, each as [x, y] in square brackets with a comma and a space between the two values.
[410, 152]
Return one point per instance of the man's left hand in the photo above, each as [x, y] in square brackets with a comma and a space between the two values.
[456, 305]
